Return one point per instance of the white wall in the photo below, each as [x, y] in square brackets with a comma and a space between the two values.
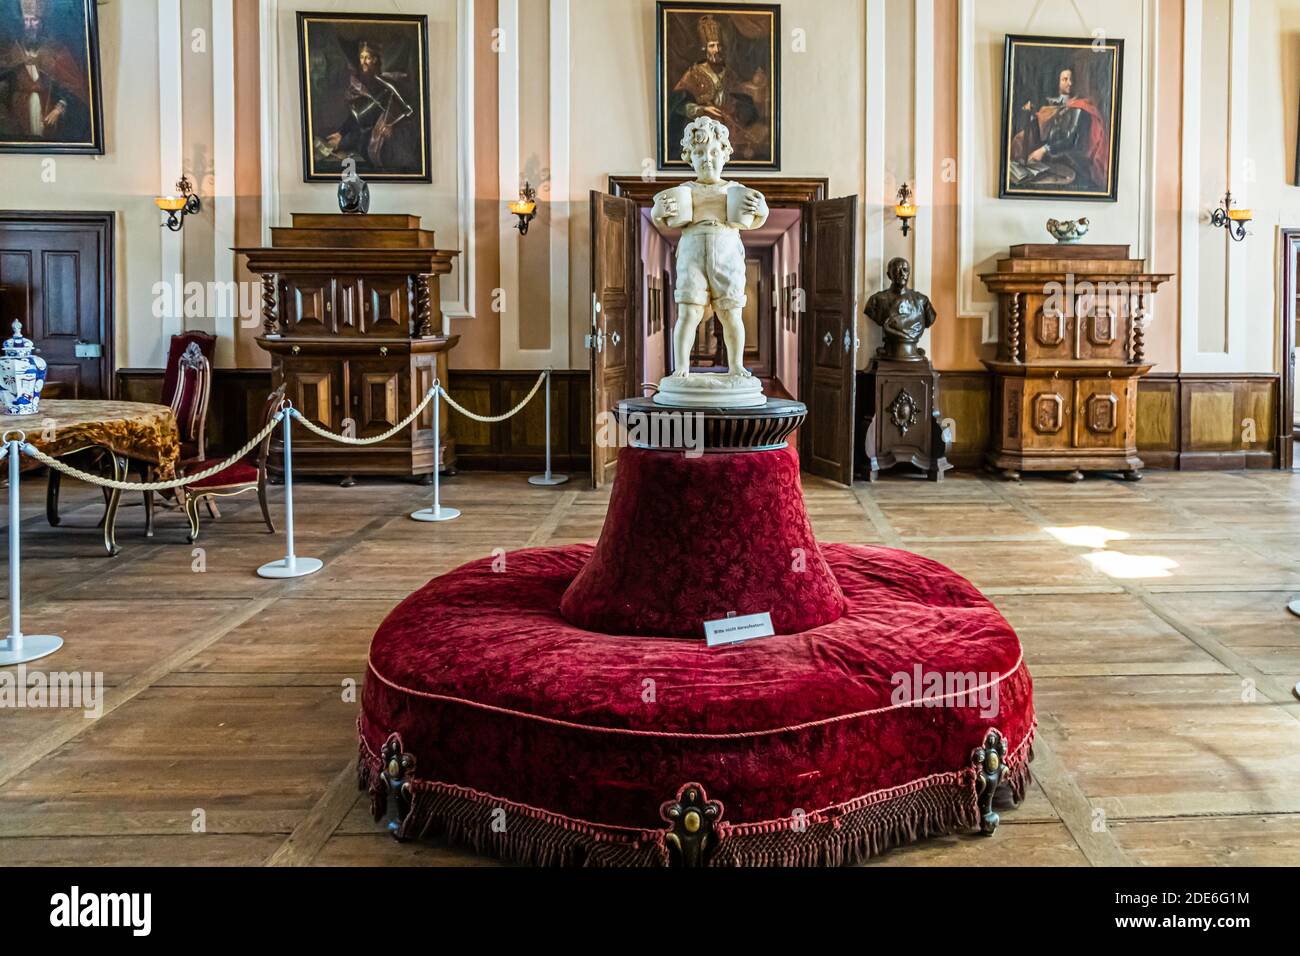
[124, 180]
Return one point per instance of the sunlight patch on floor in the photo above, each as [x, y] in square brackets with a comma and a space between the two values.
[1114, 564]
[1086, 535]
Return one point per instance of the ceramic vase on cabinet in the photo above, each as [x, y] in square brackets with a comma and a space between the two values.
[22, 375]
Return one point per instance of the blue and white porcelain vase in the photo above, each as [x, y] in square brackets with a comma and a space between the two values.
[22, 375]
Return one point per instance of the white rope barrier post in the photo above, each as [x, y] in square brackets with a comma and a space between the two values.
[17, 647]
[437, 512]
[290, 566]
[548, 479]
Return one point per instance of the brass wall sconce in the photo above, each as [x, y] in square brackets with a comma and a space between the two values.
[525, 207]
[179, 206]
[1234, 220]
[905, 208]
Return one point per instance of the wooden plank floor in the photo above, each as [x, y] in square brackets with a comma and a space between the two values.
[1153, 617]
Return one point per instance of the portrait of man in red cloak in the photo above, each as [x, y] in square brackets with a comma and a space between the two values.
[1061, 118]
[723, 64]
[49, 83]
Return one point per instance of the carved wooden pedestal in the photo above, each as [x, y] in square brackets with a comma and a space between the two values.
[1070, 353]
[899, 421]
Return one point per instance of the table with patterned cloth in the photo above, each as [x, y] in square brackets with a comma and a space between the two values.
[119, 431]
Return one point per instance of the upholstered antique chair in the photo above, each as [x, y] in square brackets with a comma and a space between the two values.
[191, 391]
[248, 474]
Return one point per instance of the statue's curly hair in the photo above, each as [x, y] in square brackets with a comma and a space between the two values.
[701, 131]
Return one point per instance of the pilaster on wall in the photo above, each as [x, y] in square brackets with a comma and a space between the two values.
[923, 147]
[873, 206]
[556, 355]
[223, 175]
[1195, 230]
[171, 158]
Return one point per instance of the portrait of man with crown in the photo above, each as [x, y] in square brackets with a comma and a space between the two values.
[49, 77]
[721, 62]
[364, 96]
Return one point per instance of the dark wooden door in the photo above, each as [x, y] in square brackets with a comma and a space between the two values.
[613, 337]
[56, 277]
[828, 340]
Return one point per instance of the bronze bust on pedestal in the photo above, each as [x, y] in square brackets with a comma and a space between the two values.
[903, 314]
[900, 415]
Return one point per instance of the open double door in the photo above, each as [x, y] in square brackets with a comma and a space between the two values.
[827, 337]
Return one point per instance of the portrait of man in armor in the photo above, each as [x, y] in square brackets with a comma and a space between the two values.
[365, 97]
[49, 77]
[1061, 116]
[721, 62]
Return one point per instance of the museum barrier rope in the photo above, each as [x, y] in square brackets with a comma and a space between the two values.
[18, 648]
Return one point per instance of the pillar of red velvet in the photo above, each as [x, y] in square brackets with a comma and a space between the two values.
[688, 540]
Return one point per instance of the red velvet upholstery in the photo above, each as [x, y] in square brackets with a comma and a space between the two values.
[175, 349]
[503, 702]
[240, 473]
[691, 539]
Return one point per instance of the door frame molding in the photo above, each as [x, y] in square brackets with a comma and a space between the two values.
[1289, 241]
[780, 191]
[107, 222]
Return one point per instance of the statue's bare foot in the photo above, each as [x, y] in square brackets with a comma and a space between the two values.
[741, 372]
[680, 373]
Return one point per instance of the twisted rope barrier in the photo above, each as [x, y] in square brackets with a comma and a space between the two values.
[494, 419]
[20, 648]
[31, 451]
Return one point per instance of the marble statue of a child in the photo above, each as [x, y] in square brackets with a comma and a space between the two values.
[711, 213]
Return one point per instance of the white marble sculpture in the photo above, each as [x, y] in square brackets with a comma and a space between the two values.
[711, 213]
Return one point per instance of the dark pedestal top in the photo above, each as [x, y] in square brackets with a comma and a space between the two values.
[711, 430]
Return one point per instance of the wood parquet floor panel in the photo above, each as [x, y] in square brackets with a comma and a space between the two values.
[1153, 616]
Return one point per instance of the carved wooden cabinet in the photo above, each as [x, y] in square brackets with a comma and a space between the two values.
[1070, 353]
[350, 318]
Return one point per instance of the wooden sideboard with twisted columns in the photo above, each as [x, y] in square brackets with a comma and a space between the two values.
[1070, 353]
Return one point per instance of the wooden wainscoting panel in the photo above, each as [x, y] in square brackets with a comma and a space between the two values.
[965, 398]
[1228, 421]
[519, 443]
[1157, 425]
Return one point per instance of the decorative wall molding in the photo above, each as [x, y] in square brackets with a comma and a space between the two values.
[923, 147]
[463, 306]
[561, 201]
[223, 174]
[171, 156]
[1193, 226]
[269, 81]
[874, 181]
[969, 303]
[556, 355]
[967, 307]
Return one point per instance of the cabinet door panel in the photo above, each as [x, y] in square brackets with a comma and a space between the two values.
[1048, 414]
[1102, 326]
[309, 305]
[384, 309]
[378, 390]
[1101, 408]
[314, 386]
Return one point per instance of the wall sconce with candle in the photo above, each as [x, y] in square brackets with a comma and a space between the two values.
[179, 206]
[905, 208]
[525, 207]
[1234, 220]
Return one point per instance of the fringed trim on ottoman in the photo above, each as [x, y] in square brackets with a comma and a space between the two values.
[847, 833]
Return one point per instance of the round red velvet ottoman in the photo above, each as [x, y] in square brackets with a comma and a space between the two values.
[491, 720]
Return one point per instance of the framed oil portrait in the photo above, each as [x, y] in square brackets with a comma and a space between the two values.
[1061, 118]
[721, 60]
[50, 97]
[364, 83]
